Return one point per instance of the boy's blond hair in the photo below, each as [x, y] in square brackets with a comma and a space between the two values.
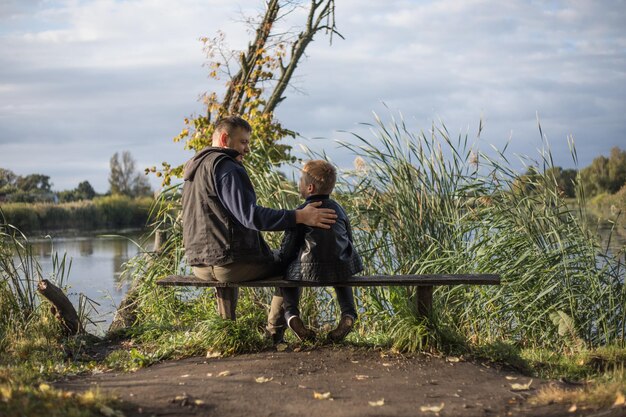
[320, 173]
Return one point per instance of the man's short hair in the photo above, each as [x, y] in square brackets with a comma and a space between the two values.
[230, 123]
[320, 173]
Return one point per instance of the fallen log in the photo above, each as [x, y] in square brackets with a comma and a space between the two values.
[62, 307]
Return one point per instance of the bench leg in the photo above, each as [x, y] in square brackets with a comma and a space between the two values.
[423, 300]
[227, 302]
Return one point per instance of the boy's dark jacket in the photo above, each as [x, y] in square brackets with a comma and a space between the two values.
[324, 255]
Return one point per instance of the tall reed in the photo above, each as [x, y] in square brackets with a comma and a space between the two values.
[427, 203]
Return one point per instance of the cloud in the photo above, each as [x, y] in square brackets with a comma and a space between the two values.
[114, 75]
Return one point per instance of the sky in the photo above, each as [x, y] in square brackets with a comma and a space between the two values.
[83, 79]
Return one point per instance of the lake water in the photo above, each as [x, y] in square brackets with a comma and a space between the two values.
[97, 263]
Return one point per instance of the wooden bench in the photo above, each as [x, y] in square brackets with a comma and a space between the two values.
[424, 284]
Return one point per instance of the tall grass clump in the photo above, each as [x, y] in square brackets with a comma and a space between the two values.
[428, 203]
[27, 329]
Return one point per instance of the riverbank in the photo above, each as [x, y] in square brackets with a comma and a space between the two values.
[101, 213]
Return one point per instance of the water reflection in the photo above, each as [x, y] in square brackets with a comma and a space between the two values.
[96, 266]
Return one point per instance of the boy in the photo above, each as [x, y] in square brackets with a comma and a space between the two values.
[322, 255]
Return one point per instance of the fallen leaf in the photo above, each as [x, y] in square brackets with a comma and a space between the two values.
[6, 393]
[224, 373]
[387, 364]
[185, 376]
[361, 377]
[213, 354]
[281, 347]
[511, 378]
[321, 396]
[521, 387]
[181, 397]
[573, 408]
[198, 402]
[354, 361]
[209, 374]
[452, 359]
[302, 387]
[262, 379]
[44, 387]
[378, 403]
[297, 349]
[431, 408]
[619, 399]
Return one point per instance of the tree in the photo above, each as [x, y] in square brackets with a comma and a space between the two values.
[565, 180]
[7, 178]
[34, 183]
[616, 170]
[595, 177]
[7, 182]
[256, 82]
[85, 190]
[124, 180]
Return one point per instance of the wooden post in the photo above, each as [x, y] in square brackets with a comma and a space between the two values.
[62, 308]
[423, 299]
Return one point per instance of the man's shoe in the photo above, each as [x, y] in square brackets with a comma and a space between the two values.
[341, 331]
[298, 327]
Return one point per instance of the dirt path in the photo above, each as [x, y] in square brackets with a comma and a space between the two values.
[353, 377]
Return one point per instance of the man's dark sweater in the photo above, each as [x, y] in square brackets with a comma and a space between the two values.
[237, 195]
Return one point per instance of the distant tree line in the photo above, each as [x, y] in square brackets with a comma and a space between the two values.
[37, 188]
[605, 175]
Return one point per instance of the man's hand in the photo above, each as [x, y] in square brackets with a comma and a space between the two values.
[316, 217]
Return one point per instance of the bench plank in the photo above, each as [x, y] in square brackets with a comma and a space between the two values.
[355, 281]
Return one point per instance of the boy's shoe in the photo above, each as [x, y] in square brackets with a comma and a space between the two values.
[298, 327]
[341, 331]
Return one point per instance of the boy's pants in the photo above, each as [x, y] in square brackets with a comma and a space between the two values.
[291, 300]
[241, 272]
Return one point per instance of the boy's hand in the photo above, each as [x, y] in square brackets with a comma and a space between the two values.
[316, 217]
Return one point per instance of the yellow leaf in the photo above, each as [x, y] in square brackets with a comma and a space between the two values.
[88, 396]
[378, 403]
[452, 359]
[224, 373]
[185, 376]
[511, 378]
[6, 393]
[521, 387]
[198, 402]
[361, 377]
[321, 396]
[431, 408]
[212, 354]
[281, 347]
[44, 387]
[262, 379]
[619, 399]
[573, 408]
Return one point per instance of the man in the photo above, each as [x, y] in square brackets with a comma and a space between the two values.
[222, 221]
